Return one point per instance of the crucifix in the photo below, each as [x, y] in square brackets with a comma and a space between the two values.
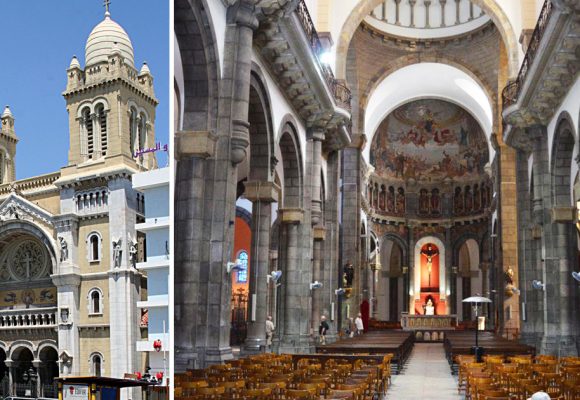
[27, 260]
[429, 253]
[106, 4]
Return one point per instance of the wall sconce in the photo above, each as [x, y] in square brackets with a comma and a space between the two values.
[405, 270]
[454, 270]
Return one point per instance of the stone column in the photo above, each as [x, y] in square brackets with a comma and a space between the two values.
[192, 150]
[11, 365]
[262, 194]
[295, 334]
[351, 206]
[36, 364]
[317, 276]
[317, 136]
[330, 264]
[67, 280]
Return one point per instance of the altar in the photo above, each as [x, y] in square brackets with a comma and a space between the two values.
[428, 328]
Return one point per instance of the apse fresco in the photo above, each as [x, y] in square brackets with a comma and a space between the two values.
[429, 140]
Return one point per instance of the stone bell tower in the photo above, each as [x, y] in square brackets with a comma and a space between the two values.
[8, 141]
[111, 104]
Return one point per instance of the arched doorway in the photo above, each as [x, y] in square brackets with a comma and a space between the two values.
[390, 287]
[4, 379]
[469, 282]
[48, 371]
[25, 375]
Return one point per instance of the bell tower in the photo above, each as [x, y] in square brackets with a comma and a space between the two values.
[8, 141]
[111, 104]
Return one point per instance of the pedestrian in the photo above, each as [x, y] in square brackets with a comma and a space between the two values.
[351, 327]
[360, 328]
[269, 332]
[322, 329]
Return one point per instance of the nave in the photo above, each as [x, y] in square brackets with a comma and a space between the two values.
[426, 376]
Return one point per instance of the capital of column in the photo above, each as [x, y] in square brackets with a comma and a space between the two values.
[240, 140]
[200, 144]
[242, 13]
[317, 135]
[536, 132]
[319, 233]
[292, 216]
[358, 140]
[262, 191]
[563, 214]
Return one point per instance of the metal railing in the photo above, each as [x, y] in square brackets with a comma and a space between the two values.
[511, 92]
[339, 90]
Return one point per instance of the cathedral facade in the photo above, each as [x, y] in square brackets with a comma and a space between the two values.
[69, 284]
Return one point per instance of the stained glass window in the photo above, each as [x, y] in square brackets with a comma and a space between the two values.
[243, 272]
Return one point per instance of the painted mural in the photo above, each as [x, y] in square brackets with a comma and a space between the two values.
[28, 298]
[429, 140]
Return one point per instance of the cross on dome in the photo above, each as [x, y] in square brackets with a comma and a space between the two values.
[106, 4]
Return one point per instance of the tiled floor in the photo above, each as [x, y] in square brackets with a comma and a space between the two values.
[426, 376]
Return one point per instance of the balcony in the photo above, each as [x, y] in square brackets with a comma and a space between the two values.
[292, 50]
[548, 70]
[37, 318]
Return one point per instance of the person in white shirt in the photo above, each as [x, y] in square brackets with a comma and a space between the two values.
[358, 322]
[269, 331]
[540, 396]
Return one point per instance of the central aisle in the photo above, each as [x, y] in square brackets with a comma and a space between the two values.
[426, 376]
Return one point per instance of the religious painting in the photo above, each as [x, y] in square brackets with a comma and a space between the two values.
[429, 140]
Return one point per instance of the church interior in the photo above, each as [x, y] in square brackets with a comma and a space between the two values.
[377, 198]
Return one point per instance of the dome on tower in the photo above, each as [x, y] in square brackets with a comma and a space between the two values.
[104, 38]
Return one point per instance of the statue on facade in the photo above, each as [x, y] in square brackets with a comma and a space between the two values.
[391, 199]
[458, 201]
[117, 252]
[400, 203]
[133, 253]
[348, 275]
[63, 249]
[423, 202]
[435, 202]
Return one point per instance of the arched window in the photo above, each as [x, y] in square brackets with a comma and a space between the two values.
[133, 127]
[95, 299]
[102, 119]
[142, 130]
[243, 273]
[87, 122]
[96, 364]
[94, 247]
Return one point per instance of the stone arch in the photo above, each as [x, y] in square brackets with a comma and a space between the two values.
[460, 241]
[198, 50]
[400, 242]
[261, 127]
[48, 370]
[561, 160]
[363, 8]
[26, 227]
[18, 346]
[292, 184]
[410, 59]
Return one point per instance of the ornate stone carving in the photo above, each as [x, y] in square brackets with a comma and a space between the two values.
[117, 252]
[63, 249]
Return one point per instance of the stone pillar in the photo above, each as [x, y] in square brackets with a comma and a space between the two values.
[192, 150]
[11, 365]
[317, 276]
[317, 136]
[295, 336]
[262, 194]
[67, 280]
[330, 264]
[351, 206]
[124, 282]
[37, 364]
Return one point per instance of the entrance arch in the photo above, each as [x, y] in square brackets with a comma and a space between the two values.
[415, 297]
[364, 8]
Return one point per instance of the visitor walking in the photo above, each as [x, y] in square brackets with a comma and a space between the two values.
[358, 322]
[269, 332]
[322, 329]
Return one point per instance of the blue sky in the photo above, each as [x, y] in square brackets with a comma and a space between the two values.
[39, 38]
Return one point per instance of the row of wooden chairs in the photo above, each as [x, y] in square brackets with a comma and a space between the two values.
[518, 377]
[277, 377]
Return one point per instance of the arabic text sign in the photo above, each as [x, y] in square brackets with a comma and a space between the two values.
[75, 392]
[151, 150]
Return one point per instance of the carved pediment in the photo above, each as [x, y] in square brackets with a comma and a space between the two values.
[16, 207]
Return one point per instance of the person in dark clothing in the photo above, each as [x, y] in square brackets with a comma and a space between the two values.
[322, 329]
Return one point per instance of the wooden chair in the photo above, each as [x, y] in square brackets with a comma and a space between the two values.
[208, 393]
[300, 394]
[256, 394]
